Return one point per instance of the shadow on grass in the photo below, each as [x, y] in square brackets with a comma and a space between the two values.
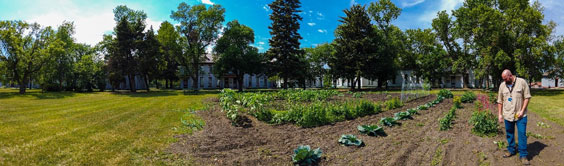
[6, 94]
[157, 93]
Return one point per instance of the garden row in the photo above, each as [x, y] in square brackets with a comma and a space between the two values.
[305, 108]
[304, 155]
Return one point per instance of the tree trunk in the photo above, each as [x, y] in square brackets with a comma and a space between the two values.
[23, 84]
[166, 83]
[352, 83]
[132, 83]
[359, 82]
[240, 83]
[147, 83]
[285, 86]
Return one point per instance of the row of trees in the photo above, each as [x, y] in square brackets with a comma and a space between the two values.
[483, 36]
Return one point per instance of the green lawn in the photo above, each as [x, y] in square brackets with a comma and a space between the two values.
[548, 104]
[99, 128]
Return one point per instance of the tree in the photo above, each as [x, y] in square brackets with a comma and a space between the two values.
[318, 59]
[383, 66]
[129, 37]
[354, 45]
[199, 27]
[25, 50]
[284, 53]
[235, 54]
[169, 39]
[149, 57]
[55, 75]
[112, 68]
[430, 59]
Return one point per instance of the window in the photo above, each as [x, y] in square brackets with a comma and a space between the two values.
[209, 82]
[201, 82]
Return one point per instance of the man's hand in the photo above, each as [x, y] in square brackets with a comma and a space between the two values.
[520, 114]
[500, 118]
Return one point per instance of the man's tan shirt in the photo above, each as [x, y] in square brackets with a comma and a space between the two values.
[512, 100]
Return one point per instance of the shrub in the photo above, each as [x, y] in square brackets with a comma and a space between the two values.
[314, 115]
[484, 123]
[367, 108]
[349, 140]
[371, 130]
[393, 103]
[468, 97]
[445, 93]
[492, 97]
[303, 155]
[457, 102]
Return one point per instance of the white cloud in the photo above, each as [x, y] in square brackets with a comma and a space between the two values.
[410, 4]
[311, 24]
[156, 24]
[352, 2]
[320, 16]
[207, 2]
[261, 43]
[89, 25]
[266, 7]
[447, 5]
[322, 30]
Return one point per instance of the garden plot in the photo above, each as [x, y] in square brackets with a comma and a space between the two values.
[417, 141]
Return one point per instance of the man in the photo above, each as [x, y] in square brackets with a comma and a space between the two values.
[513, 98]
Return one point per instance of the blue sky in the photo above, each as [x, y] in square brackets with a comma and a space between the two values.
[93, 18]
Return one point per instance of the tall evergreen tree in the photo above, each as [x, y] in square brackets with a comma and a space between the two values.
[354, 45]
[284, 53]
[149, 57]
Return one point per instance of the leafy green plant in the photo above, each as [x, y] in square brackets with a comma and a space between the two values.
[543, 125]
[412, 111]
[492, 97]
[350, 140]
[367, 108]
[402, 115]
[468, 97]
[304, 155]
[192, 122]
[457, 101]
[388, 121]
[484, 123]
[422, 107]
[500, 144]
[445, 93]
[371, 130]
[393, 103]
[445, 123]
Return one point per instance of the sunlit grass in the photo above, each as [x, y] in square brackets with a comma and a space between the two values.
[100, 128]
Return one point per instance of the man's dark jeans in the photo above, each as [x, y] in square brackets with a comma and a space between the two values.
[521, 132]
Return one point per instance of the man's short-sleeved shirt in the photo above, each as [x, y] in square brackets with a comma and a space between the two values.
[512, 99]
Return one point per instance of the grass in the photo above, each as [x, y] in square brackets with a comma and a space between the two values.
[100, 128]
[548, 104]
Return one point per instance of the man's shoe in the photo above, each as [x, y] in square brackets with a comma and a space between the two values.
[507, 155]
[525, 161]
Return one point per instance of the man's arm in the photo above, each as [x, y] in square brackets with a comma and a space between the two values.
[527, 96]
[499, 105]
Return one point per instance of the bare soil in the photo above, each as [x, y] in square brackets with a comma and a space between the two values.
[415, 142]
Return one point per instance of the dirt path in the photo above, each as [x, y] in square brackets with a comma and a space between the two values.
[415, 142]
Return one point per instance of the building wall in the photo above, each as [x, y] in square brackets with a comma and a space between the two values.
[550, 82]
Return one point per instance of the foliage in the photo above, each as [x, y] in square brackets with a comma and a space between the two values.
[445, 93]
[468, 97]
[304, 155]
[170, 49]
[422, 107]
[412, 111]
[445, 122]
[304, 95]
[285, 56]
[393, 103]
[388, 121]
[484, 123]
[371, 130]
[199, 28]
[235, 55]
[543, 125]
[25, 49]
[501, 145]
[457, 101]
[402, 115]
[355, 47]
[350, 140]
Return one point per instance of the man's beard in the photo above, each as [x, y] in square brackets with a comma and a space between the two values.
[508, 82]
